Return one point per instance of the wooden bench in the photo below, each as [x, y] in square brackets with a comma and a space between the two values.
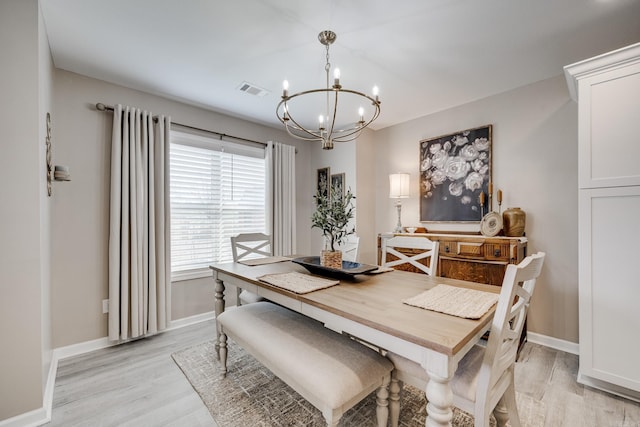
[330, 370]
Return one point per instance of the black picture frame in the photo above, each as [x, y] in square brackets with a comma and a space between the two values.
[337, 183]
[454, 170]
[323, 181]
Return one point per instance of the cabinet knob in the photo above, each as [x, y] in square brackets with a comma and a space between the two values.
[446, 249]
[496, 253]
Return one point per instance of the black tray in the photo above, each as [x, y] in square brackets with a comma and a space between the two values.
[348, 271]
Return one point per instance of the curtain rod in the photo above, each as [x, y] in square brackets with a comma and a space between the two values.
[102, 107]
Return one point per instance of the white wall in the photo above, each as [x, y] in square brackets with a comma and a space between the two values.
[21, 214]
[366, 173]
[341, 159]
[534, 163]
[81, 207]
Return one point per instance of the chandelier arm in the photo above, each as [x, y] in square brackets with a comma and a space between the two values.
[335, 110]
[297, 131]
[296, 126]
[351, 134]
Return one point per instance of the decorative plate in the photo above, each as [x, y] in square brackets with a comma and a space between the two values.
[348, 271]
[491, 224]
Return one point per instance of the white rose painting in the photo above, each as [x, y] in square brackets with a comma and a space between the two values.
[454, 170]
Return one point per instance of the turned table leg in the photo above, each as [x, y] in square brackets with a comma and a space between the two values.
[219, 308]
[439, 401]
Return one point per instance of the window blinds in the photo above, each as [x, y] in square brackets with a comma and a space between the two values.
[218, 189]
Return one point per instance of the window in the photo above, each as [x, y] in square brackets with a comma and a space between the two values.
[217, 189]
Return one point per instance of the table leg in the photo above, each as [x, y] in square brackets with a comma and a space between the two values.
[440, 401]
[219, 308]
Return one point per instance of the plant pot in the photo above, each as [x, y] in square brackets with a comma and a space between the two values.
[331, 259]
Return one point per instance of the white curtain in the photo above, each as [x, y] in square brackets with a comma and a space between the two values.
[281, 163]
[139, 258]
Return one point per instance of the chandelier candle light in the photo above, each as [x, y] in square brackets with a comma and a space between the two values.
[399, 189]
[332, 127]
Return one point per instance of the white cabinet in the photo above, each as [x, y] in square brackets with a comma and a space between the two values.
[607, 89]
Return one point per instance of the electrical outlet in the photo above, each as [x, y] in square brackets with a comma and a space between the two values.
[105, 306]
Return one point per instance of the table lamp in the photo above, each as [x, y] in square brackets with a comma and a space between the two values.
[399, 189]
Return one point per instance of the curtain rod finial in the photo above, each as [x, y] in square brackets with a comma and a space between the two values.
[100, 106]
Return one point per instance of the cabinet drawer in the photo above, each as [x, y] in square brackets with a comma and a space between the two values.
[472, 249]
[463, 249]
[472, 271]
[497, 251]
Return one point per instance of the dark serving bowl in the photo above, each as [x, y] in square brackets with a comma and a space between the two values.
[348, 271]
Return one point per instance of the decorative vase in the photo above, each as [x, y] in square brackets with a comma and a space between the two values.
[331, 259]
[513, 220]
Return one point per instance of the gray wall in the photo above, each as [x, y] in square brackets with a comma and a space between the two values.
[535, 148]
[25, 85]
[81, 207]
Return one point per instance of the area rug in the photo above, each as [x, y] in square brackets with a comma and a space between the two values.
[250, 395]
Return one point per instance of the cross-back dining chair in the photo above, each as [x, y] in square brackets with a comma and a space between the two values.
[349, 248]
[247, 246]
[428, 250]
[484, 380]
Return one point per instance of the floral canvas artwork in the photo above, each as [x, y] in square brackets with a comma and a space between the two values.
[454, 170]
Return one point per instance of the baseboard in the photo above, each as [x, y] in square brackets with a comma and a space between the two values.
[42, 415]
[555, 343]
[609, 388]
[33, 418]
[192, 320]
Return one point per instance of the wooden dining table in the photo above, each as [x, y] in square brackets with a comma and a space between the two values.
[370, 308]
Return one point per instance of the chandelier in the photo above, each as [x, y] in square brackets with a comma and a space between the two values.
[331, 127]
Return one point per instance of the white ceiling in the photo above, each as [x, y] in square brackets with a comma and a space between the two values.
[425, 55]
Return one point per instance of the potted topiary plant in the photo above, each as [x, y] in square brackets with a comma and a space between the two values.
[332, 216]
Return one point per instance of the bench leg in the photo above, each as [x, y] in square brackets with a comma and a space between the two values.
[382, 401]
[394, 401]
[223, 352]
[332, 417]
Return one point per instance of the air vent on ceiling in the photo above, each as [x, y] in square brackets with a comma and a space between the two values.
[252, 89]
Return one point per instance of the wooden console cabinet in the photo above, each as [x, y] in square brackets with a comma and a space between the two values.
[474, 258]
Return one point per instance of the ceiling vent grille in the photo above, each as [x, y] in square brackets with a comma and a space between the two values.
[252, 89]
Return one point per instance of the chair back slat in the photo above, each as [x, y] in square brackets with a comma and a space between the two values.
[429, 250]
[250, 245]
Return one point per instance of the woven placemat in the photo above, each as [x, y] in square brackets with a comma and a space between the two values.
[299, 283]
[461, 302]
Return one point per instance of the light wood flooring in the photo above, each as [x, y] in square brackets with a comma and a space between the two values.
[138, 384]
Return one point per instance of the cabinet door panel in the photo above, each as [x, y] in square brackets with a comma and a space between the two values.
[610, 285]
[609, 111]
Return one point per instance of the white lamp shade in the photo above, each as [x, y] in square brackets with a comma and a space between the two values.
[399, 185]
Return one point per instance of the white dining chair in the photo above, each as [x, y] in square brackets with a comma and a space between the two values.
[250, 246]
[484, 380]
[349, 248]
[422, 249]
